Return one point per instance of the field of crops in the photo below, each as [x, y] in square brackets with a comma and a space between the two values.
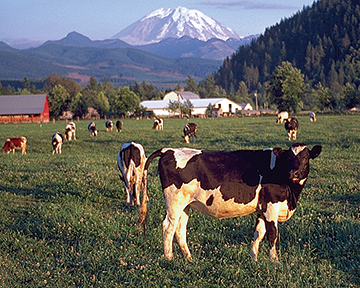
[64, 222]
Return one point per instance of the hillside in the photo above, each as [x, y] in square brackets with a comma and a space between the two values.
[321, 40]
[118, 65]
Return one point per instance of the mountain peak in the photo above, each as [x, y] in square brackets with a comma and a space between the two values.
[174, 23]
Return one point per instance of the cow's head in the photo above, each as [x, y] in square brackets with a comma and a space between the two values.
[8, 146]
[293, 164]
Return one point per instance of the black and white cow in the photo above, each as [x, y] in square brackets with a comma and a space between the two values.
[291, 127]
[283, 115]
[190, 130]
[131, 160]
[158, 124]
[312, 117]
[109, 125]
[92, 129]
[70, 131]
[227, 184]
[118, 126]
[57, 142]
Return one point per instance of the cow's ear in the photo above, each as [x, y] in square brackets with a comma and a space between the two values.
[315, 151]
[277, 151]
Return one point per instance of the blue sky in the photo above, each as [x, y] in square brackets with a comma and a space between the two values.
[98, 20]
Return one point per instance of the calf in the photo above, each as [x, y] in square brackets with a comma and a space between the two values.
[312, 117]
[12, 144]
[70, 130]
[158, 124]
[282, 116]
[291, 127]
[190, 130]
[57, 142]
[92, 129]
[227, 184]
[131, 160]
[109, 125]
[118, 126]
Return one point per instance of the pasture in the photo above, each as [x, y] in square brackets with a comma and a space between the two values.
[64, 222]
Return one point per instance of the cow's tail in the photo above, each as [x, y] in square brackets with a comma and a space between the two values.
[143, 207]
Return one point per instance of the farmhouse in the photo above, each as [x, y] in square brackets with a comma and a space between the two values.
[24, 108]
[180, 95]
[224, 106]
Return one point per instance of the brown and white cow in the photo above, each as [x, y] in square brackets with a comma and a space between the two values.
[70, 131]
[17, 143]
[57, 142]
[92, 129]
[158, 124]
[283, 115]
[109, 125]
[228, 184]
[312, 117]
[118, 126]
[131, 160]
[291, 127]
[190, 130]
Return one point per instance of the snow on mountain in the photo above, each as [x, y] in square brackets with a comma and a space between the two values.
[174, 23]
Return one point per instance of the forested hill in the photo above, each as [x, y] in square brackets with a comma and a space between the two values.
[322, 40]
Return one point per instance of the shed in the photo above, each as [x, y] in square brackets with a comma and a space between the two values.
[24, 108]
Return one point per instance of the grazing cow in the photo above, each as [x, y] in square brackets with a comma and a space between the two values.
[109, 125]
[312, 116]
[190, 130]
[92, 129]
[131, 160]
[12, 144]
[228, 184]
[57, 141]
[281, 117]
[158, 124]
[118, 126]
[291, 127]
[70, 130]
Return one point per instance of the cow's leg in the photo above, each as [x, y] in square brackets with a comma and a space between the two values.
[294, 135]
[180, 233]
[271, 223]
[289, 135]
[174, 211]
[169, 225]
[259, 235]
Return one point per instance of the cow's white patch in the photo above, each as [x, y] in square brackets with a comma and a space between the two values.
[302, 181]
[182, 155]
[296, 150]
[272, 158]
[278, 212]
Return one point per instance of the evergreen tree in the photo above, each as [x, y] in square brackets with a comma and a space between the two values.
[285, 87]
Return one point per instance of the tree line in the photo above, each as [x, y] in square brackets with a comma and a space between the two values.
[322, 41]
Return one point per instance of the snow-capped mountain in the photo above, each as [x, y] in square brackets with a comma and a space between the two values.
[174, 23]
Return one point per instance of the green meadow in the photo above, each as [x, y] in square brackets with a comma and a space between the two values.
[64, 221]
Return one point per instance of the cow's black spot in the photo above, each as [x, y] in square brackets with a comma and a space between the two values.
[210, 200]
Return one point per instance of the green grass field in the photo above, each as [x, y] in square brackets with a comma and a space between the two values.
[64, 222]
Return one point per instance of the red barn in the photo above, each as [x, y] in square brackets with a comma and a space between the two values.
[24, 108]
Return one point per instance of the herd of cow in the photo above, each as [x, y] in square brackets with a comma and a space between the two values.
[221, 184]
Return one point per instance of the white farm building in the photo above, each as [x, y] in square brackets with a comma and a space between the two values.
[222, 105]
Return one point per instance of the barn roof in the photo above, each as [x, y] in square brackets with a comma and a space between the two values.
[22, 104]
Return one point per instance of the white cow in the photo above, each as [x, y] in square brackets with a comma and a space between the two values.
[283, 115]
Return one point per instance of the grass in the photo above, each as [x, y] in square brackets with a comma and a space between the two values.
[64, 222]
